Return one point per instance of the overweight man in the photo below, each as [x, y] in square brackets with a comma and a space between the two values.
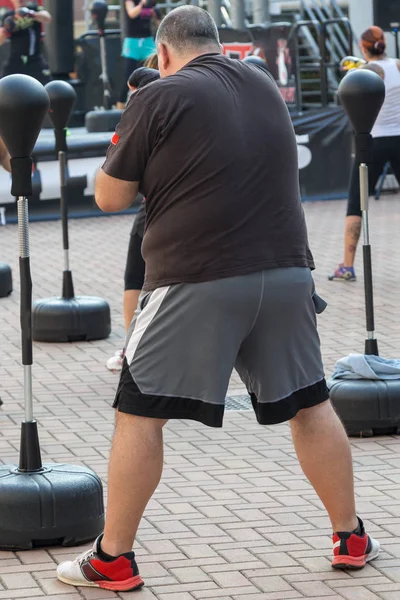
[228, 285]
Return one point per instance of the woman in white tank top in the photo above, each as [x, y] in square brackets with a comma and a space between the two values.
[386, 143]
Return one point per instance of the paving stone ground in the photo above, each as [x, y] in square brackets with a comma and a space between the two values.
[234, 517]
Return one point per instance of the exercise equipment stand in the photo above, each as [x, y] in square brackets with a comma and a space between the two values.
[68, 318]
[40, 504]
[105, 118]
[5, 280]
[366, 406]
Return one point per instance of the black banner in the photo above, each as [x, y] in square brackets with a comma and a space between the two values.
[324, 143]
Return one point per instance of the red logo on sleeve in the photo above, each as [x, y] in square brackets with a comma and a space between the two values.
[115, 139]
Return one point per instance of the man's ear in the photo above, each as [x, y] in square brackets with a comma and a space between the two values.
[163, 58]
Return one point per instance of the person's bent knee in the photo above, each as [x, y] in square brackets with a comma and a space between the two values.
[123, 419]
[306, 414]
[353, 212]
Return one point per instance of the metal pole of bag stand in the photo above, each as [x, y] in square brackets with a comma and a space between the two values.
[104, 73]
[67, 283]
[26, 302]
[371, 344]
[30, 456]
[64, 208]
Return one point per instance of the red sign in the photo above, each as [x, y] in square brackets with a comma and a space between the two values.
[9, 5]
[237, 50]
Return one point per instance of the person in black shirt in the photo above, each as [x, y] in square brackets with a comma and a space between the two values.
[23, 27]
[228, 284]
[138, 17]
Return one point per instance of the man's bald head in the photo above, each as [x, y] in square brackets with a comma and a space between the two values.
[189, 30]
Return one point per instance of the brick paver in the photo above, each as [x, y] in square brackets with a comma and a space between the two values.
[234, 517]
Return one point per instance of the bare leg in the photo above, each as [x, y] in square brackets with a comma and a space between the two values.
[324, 454]
[135, 470]
[351, 237]
[131, 299]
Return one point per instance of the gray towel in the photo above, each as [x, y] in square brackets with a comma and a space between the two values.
[366, 366]
[319, 303]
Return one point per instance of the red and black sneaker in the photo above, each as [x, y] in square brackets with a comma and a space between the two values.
[352, 550]
[120, 574]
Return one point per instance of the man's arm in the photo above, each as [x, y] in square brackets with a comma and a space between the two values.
[132, 10]
[42, 16]
[135, 137]
[3, 36]
[112, 194]
[4, 157]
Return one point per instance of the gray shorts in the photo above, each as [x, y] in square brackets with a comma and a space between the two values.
[187, 338]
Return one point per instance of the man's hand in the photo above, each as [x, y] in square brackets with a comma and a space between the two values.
[24, 12]
[114, 195]
[42, 16]
[3, 36]
[4, 157]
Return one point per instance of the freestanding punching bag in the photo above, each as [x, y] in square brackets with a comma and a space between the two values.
[366, 406]
[67, 318]
[105, 118]
[5, 280]
[40, 504]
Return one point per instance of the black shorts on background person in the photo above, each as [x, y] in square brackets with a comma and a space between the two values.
[135, 266]
[23, 27]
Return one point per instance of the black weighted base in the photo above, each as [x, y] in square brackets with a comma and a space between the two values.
[102, 120]
[367, 407]
[61, 505]
[82, 318]
[5, 280]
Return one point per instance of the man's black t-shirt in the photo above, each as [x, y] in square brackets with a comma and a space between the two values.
[140, 26]
[214, 150]
[26, 39]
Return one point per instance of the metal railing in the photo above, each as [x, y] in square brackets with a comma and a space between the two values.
[334, 60]
[306, 27]
[335, 41]
[322, 32]
[115, 8]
